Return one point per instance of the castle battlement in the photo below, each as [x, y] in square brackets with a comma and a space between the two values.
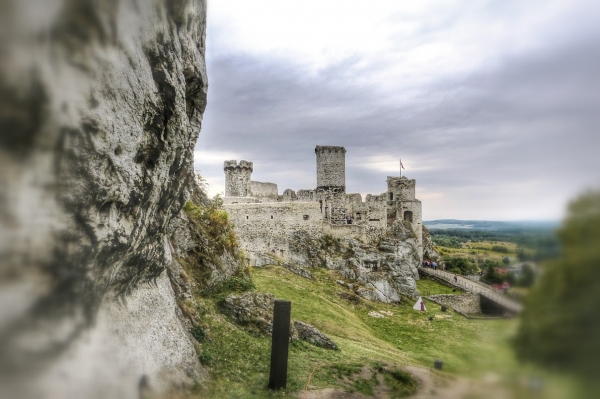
[232, 164]
[400, 182]
[329, 149]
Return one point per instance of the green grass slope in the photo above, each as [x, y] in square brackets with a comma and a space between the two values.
[238, 360]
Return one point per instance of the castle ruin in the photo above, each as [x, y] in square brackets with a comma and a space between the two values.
[264, 219]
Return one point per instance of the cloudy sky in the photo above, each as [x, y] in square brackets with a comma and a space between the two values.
[493, 106]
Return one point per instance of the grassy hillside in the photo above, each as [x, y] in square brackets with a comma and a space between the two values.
[238, 360]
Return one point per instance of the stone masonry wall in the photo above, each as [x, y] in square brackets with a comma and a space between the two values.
[266, 227]
[415, 208]
[331, 166]
[264, 191]
[465, 303]
[402, 188]
[306, 195]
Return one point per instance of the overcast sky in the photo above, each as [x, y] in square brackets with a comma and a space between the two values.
[493, 106]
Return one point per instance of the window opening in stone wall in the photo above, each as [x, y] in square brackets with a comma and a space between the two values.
[321, 204]
[246, 217]
[391, 196]
[408, 215]
[271, 217]
[305, 217]
[282, 252]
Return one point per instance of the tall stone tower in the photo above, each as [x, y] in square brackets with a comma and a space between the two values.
[331, 182]
[331, 167]
[402, 205]
[237, 178]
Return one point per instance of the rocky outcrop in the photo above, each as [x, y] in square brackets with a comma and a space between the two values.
[429, 252]
[100, 104]
[310, 334]
[381, 273]
[254, 311]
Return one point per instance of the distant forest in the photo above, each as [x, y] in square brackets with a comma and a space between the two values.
[542, 240]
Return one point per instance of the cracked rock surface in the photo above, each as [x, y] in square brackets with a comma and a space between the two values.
[101, 103]
[379, 273]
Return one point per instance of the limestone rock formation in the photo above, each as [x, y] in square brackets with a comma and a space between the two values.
[310, 334]
[100, 104]
[429, 251]
[254, 310]
[380, 273]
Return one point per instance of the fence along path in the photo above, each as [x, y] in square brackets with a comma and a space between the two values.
[475, 288]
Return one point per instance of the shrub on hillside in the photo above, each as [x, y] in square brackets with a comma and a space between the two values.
[460, 266]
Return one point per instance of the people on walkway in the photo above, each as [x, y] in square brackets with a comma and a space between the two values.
[422, 306]
[434, 265]
[455, 279]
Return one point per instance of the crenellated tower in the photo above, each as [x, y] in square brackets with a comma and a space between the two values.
[237, 178]
[331, 182]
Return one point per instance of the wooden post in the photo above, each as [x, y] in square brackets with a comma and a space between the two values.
[279, 344]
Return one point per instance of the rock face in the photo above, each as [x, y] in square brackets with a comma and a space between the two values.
[378, 273]
[310, 334]
[100, 104]
[254, 310]
[429, 251]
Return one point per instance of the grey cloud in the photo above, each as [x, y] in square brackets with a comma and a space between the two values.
[533, 118]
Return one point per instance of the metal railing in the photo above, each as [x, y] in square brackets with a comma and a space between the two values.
[476, 288]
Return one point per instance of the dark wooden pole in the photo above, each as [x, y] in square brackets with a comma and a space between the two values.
[279, 344]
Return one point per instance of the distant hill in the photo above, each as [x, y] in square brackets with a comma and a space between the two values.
[489, 225]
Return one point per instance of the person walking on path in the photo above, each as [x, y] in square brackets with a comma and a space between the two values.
[434, 264]
[455, 279]
[422, 306]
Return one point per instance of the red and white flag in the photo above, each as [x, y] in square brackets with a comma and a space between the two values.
[402, 166]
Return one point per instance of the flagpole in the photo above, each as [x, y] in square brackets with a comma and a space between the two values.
[400, 167]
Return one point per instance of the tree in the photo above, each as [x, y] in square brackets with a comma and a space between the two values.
[527, 276]
[511, 278]
[560, 326]
[460, 266]
[492, 276]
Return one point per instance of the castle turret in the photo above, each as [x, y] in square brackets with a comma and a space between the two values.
[401, 188]
[331, 182]
[402, 205]
[331, 167]
[237, 178]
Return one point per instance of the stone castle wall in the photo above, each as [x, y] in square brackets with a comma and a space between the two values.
[306, 195]
[264, 191]
[416, 223]
[329, 198]
[266, 227]
[465, 303]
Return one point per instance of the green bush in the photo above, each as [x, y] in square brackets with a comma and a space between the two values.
[460, 266]
[198, 333]
[239, 283]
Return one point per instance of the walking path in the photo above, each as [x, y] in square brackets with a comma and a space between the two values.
[475, 288]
